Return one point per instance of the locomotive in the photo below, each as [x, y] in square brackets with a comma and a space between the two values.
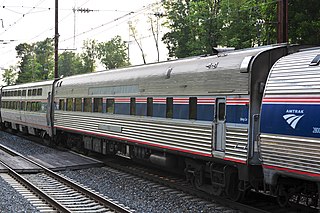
[232, 122]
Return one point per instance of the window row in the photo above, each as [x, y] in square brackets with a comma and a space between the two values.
[31, 106]
[31, 92]
[158, 107]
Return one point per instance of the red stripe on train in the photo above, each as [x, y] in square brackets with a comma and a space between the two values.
[292, 171]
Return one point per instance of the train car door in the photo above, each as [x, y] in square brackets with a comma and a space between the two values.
[220, 117]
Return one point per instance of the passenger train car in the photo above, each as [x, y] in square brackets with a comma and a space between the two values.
[215, 118]
[290, 124]
[27, 108]
[197, 114]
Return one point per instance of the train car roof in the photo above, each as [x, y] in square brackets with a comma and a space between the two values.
[297, 73]
[27, 85]
[231, 60]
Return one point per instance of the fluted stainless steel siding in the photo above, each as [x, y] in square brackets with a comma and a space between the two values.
[296, 153]
[191, 137]
[236, 143]
[293, 75]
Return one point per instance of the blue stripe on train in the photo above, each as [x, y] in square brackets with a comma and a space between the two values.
[205, 112]
[181, 111]
[237, 114]
[291, 119]
[141, 109]
[122, 108]
[159, 110]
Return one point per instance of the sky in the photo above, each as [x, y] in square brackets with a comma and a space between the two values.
[33, 20]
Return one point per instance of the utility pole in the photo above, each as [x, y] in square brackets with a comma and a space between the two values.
[282, 8]
[56, 42]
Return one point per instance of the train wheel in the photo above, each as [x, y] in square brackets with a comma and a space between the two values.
[217, 190]
[233, 188]
[283, 197]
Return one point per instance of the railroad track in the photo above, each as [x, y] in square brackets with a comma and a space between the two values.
[256, 202]
[51, 192]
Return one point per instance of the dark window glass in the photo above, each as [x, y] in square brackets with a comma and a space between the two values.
[23, 105]
[69, 104]
[110, 105]
[19, 93]
[29, 92]
[222, 111]
[39, 91]
[34, 106]
[149, 106]
[192, 108]
[87, 105]
[14, 105]
[97, 104]
[24, 92]
[15, 93]
[169, 112]
[78, 104]
[132, 106]
[61, 104]
[39, 105]
[28, 106]
[34, 92]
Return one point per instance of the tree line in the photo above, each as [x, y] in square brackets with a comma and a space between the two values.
[195, 27]
[36, 60]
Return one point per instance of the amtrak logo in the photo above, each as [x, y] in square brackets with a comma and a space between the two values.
[293, 119]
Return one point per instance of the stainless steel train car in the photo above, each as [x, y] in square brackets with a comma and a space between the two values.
[26, 108]
[235, 121]
[198, 114]
[290, 127]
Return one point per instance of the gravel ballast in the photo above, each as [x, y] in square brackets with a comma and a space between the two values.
[136, 193]
[12, 201]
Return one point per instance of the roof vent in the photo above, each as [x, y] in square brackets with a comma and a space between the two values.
[315, 61]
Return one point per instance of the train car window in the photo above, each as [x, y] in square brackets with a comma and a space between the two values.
[22, 105]
[33, 106]
[87, 105]
[28, 108]
[61, 104]
[19, 93]
[69, 104]
[110, 105]
[222, 111]
[29, 92]
[97, 104]
[39, 91]
[34, 92]
[169, 112]
[149, 106]
[78, 104]
[15, 93]
[24, 92]
[39, 106]
[132, 106]
[193, 108]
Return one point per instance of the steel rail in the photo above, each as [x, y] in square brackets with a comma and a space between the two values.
[92, 195]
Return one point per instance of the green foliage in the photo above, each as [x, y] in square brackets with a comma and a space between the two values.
[36, 61]
[89, 55]
[304, 21]
[112, 54]
[196, 26]
[9, 75]
[70, 63]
